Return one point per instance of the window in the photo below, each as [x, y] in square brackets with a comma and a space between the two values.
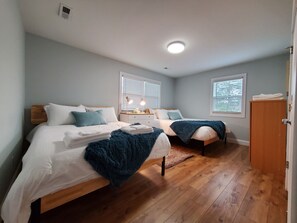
[228, 96]
[137, 88]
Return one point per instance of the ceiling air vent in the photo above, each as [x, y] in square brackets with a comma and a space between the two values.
[64, 11]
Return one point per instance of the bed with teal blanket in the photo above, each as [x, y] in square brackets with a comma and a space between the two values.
[185, 129]
[188, 130]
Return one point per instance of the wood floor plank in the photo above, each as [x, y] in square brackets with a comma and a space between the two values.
[166, 206]
[225, 208]
[219, 187]
[207, 194]
[214, 167]
[189, 168]
[277, 205]
[256, 203]
[242, 219]
[159, 200]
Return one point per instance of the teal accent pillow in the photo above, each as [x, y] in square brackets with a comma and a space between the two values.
[174, 115]
[88, 118]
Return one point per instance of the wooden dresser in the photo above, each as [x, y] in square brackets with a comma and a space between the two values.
[268, 136]
[145, 119]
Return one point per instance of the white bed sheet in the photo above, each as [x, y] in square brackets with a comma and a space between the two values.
[204, 133]
[48, 166]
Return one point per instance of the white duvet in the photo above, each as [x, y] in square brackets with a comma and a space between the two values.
[48, 166]
[204, 133]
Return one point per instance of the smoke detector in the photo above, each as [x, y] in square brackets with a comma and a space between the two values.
[64, 11]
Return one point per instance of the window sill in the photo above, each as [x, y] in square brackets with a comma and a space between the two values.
[230, 115]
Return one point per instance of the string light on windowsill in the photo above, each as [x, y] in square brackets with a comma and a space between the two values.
[129, 100]
[142, 102]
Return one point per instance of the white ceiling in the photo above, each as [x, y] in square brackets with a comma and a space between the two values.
[217, 33]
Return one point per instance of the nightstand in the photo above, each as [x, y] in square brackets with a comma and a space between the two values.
[145, 119]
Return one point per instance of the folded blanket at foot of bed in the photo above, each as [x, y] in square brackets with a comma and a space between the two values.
[120, 157]
[137, 129]
[77, 139]
[185, 129]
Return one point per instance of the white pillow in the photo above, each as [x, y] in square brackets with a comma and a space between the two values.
[61, 114]
[46, 108]
[162, 114]
[176, 110]
[107, 112]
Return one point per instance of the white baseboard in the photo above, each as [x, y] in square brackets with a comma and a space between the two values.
[239, 141]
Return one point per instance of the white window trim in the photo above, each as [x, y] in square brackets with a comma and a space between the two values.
[243, 105]
[132, 76]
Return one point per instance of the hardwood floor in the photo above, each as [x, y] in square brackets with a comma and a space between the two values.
[220, 187]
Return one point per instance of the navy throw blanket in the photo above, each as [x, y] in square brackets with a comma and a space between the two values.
[185, 129]
[120, 157]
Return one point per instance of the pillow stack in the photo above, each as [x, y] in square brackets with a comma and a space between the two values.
[78, 115]
[164, 114]
[107, 112]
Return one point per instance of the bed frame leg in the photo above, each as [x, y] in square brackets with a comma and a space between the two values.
[35, 211]
[203, 151]
[163, 167]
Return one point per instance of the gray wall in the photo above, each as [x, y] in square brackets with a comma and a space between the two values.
[62, 74]
[12, 91]
[192, 93]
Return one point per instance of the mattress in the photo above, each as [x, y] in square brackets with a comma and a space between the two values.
[204, 133]
[48, 166]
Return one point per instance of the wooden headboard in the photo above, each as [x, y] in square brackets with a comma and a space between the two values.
[38, 114]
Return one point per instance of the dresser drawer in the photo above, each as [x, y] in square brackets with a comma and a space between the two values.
[143, 119]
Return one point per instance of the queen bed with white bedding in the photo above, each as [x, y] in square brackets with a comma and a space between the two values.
[58, 174]
[205, 134]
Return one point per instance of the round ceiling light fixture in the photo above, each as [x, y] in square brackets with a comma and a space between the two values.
[176, 47]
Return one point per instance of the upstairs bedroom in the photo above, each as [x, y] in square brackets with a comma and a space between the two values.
[148, 111]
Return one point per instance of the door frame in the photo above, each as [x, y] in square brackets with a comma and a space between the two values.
[291, 140]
